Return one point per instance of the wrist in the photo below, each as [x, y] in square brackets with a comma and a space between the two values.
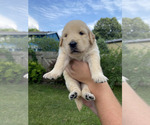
[92, 85]
[97, 88]
[88, 81]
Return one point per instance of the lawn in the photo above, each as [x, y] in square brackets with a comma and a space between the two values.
[49, 105]
[13, 104]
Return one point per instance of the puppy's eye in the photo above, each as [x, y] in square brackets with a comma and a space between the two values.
[66, 35]
[81, 33]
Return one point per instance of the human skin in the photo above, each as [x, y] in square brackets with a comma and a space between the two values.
[135, 110]
[107, 106]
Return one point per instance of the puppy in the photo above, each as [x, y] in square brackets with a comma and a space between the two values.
[77, 42]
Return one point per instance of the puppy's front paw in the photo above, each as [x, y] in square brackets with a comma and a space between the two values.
[89, 96]
[73, 95]
[51, 75]
[99, 78]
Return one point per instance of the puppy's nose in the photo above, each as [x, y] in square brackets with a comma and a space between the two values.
[73, 44]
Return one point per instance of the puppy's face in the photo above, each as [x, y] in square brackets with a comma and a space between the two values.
[76, 37]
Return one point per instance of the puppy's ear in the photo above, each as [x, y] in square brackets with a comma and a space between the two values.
[91, 37]
[61, 41]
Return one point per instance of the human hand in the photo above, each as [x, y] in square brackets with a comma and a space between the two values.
[91, 105]
[79, 71]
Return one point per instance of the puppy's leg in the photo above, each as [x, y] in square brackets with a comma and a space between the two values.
[73, 86]
[61, 63]
[75, 90]
[86, 94]
[95, 68]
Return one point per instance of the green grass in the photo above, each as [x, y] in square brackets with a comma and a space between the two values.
[49, 105]
[14, 104]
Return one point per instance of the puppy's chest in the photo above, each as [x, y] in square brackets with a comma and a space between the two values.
[80, 58]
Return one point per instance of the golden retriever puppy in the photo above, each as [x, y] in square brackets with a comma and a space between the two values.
[77, 42]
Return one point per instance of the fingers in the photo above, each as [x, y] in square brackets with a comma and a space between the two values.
[91, 105]
[69, 70]
[75, 64]
[87, 103]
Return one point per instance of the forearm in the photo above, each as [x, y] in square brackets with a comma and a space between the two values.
[135, 110]
[109, 109]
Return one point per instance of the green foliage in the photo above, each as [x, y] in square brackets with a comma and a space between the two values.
[46, 44]
[11, 72]
[108, 29]
[102, 45]
[136, 67]
[32, 53]
[135, 28]
[36, 72]
[112, 66]
[17, 42]
[7, 55]
[33, 30]
[143, 92]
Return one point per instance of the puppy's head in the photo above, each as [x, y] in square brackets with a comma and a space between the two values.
[76, 37]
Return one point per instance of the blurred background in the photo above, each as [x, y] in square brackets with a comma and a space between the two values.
[13, 62]
[136, 46]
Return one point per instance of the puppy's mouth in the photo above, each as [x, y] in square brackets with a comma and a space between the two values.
[75, 50]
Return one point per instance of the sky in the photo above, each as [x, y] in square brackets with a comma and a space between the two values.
[52, 15]
[14, 14]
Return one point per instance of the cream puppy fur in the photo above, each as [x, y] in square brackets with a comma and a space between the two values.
[77, 42]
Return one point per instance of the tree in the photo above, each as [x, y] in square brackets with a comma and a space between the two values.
[102, 46]
[107, 28]
[45, 44]
[20, 43]
[33, 30]
[135, 29]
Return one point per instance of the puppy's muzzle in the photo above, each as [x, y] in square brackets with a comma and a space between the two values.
[73, 44]
[73, 47]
